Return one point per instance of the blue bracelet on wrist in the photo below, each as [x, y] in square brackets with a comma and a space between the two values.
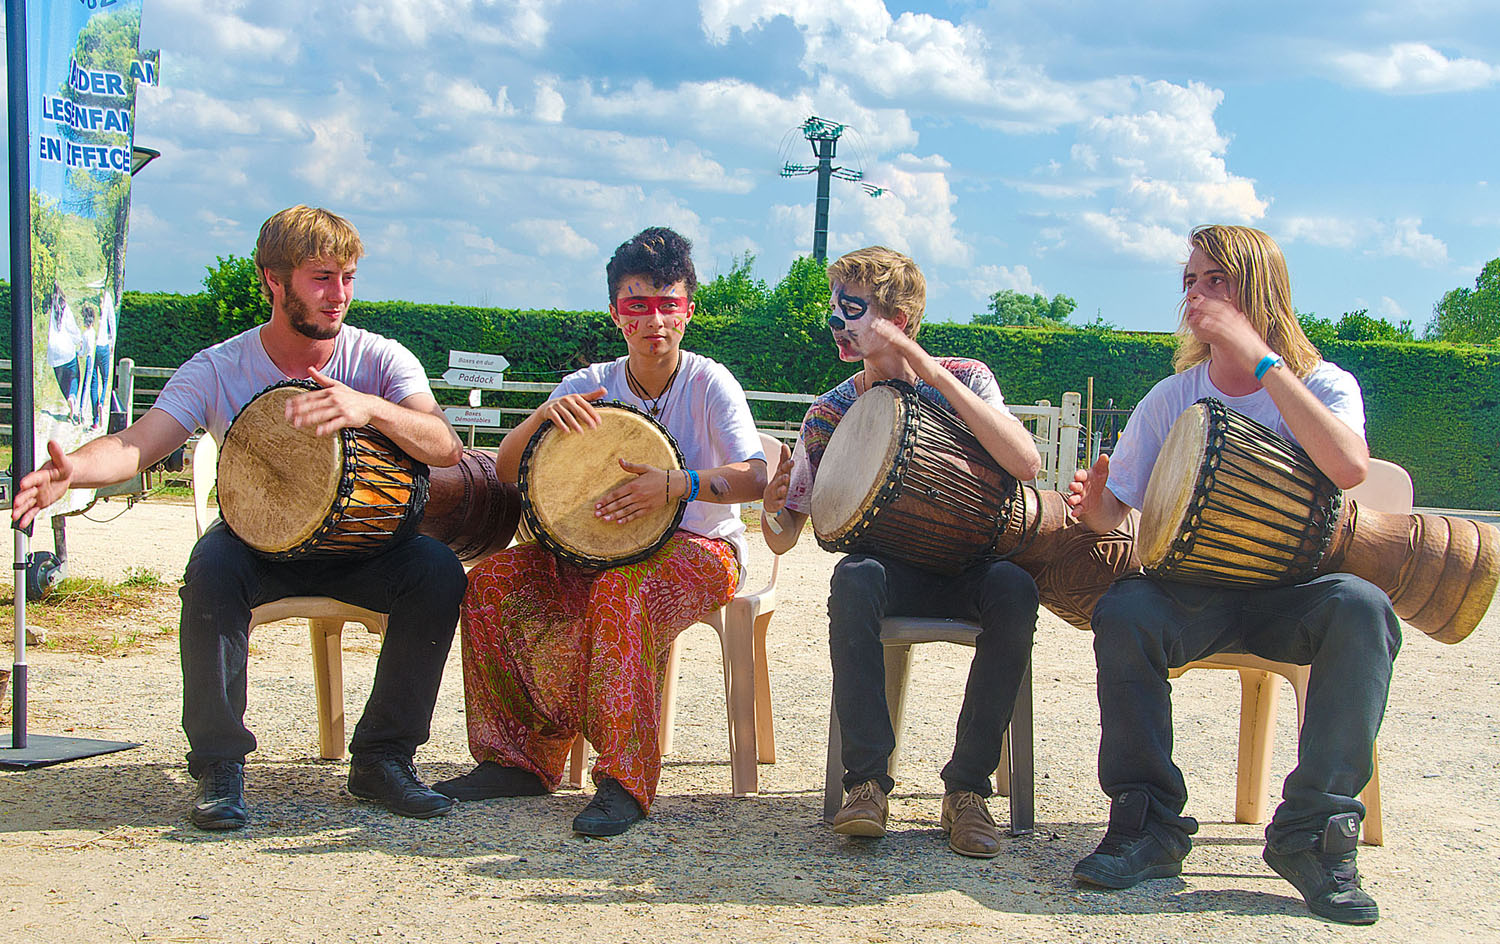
[1266, 363]
[692, 485]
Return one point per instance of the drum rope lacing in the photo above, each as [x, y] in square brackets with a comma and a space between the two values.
[1311, 528]
[947, 435]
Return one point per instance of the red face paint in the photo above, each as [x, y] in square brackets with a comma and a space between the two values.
[672, 307]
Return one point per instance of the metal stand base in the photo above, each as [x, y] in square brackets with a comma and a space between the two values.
[43, 750]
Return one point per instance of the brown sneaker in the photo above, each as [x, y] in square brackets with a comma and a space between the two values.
[864, 813]
[971, 831]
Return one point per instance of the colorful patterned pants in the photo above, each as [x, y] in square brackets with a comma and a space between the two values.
[551, 650]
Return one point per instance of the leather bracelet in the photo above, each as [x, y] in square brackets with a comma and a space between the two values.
[1266, 363]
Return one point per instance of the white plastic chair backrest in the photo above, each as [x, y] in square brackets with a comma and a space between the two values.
[205, 470]
[1387, 487]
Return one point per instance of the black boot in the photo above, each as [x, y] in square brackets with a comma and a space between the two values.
[1325, 873]
[1135, 847]
[393, 783]
[612, 811]
[490, 780]
[220, 802]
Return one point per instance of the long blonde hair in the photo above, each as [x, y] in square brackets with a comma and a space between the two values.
[893, 278]
[1254, 261]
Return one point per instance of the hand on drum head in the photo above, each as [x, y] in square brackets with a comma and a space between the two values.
[774, 498]
[572, 412]
[646, 492]
[330, 409]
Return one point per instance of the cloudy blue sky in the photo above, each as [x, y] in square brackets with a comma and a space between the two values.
[495, 151]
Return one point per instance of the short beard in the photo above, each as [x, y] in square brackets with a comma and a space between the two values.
[302, 321]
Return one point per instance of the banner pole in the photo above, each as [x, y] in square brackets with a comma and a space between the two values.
[22, 458]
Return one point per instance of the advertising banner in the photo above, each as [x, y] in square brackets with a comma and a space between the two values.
[84, 66]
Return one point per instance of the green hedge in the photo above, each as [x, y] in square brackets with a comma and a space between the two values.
[1434, 408]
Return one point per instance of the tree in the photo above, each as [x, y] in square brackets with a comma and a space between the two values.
[234, 290]
[1008, 307]
[1353, 326]
[735, 294]
[1469, 316]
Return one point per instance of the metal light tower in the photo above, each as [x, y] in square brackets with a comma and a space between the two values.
[823, 136]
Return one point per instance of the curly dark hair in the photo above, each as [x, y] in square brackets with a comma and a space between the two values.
[662, 255]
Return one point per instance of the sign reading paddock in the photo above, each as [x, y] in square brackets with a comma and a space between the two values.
[481, 379]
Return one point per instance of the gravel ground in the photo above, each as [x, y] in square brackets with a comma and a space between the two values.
[100, 849]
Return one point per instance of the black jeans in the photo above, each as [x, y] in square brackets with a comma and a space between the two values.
[1339, 625]
[418, 582]
[998, 595]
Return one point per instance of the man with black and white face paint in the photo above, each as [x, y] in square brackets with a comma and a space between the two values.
[876, 304]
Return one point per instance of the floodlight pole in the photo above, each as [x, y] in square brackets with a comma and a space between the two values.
[824, 148]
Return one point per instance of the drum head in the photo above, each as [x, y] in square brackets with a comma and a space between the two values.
[1174, 480]
[564, 473]
[277, 483]
[857, 463]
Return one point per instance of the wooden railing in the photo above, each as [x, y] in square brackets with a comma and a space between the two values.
[1056, 429]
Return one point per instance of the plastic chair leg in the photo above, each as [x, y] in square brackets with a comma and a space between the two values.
[897, 668]
[1022, 761]
[328, 682]
[765, 734]
[1258, 697]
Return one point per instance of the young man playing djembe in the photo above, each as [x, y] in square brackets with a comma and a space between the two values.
[1240, 342]
[878, 297]
[306, 258]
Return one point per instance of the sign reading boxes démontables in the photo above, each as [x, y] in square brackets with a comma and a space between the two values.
[472, 416]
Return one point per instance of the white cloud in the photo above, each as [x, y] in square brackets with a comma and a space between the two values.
[1322, 231]
[550, 105]
[986, 280]
[1390, 310]
[916, 57]
[514, 23]
[554, 238]
[1414, 69]
[1151, 242]
[1400, 238]
[218, 30]
[1404, 238]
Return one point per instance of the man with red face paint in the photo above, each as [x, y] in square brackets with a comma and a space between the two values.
[551, 649]
[877, 301]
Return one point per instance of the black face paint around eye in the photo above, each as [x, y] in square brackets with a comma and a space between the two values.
[852, 306]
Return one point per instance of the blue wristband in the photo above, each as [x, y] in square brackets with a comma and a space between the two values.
[692, 485]
[1266, 363]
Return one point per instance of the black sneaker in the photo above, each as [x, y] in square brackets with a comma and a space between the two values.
[1326, 875]
[612, 811]
[1135, 847]
[220, 801]
[393, 783]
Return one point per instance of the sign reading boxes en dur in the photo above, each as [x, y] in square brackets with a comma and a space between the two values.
[475, 361]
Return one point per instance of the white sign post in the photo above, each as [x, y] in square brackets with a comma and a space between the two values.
[477, 372]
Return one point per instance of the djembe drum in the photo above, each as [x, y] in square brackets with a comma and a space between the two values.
[469, 508]
[564, 473]
[905, 478]
[290, 494]
[1231, 503]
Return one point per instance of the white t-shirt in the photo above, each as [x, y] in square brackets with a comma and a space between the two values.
[106, 331]
[706, 412]
[1131, 463]
[63, 340]
[216, 383]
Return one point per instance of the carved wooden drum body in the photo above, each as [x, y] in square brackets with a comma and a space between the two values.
[290, 495]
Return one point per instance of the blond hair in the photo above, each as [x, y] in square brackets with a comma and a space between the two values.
[300, 234]
[1254, 261]
[893, 279]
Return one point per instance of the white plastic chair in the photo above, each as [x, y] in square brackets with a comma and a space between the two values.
[1387, 487]
[325, 616]
[742, 627]
[1015, 777]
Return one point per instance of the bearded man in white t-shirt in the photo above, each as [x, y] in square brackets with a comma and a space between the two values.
[1240, 342]
[306, 259]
